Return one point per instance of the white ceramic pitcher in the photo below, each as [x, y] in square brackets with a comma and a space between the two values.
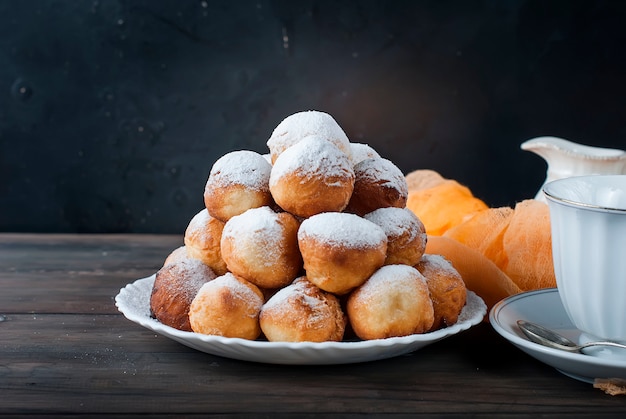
[566, 158]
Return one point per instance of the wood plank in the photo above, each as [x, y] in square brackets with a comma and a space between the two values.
[65, 350]
[83, 253]
[51, 273]
[107, 364]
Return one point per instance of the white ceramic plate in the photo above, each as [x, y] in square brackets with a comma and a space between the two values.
[134, 302]
[544, 307]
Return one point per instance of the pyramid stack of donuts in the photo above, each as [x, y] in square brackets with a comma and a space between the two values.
[311, 241]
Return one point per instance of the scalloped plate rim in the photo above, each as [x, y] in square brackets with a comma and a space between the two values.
[133, 302]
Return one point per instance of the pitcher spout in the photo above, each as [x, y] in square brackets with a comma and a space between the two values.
[566, 158]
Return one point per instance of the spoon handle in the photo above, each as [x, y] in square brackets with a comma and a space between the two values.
[603, 343]
[544, 336]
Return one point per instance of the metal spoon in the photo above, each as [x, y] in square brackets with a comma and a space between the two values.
[547, 337]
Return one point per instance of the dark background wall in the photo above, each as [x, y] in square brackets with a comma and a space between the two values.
[112, 112]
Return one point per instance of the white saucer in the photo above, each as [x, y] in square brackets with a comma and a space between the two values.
[545, 308]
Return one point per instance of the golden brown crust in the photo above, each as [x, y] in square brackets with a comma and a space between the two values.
[306, 197]
[224, 203]
[261, 246]
[447, 289]
[406, 235]
[311, 177]
[315, 202]
[175, 286]
[300, 125]
[202, 240]
[302, 312]
[340, 251]
[237, 182]
[227, 306]
[394, 301]
[339, 269]
[378, 184]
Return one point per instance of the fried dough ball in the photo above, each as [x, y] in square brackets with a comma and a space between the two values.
[447, 289]
[261, 246]
[378, 184]
[406, 235]
[202, 240]
[302, 312]
[340, 250]
[362, 152]
[176, 255]
[227, 306]
[394, 301]
[237, 182]
[295, 127]
[175, 286]
[311, 177]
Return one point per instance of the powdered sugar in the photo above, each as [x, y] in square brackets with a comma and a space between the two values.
[362, 152]
[199, 221]
[183, 279]
[133, 301]
[398, 277]
[302, 124]
[438, 264]
[288, 301]
[259, 227]
[237, 288]
[382, 172]
[344, 229]
[397, 221]
[297, 287]
[243, 167]
[253, 221]
[312, 156]
[197, 228]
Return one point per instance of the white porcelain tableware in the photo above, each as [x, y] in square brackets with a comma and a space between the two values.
[134, 302]
[548, 337]
[588, 223]
[544, 307]
[566, 158]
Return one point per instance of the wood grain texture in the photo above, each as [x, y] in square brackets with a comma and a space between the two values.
[66, 350]
[75, 273]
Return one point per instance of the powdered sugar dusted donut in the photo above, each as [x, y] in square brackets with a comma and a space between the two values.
[227, 306]
[311, 177]
[340, 251]
[406, 234]
[394, 301]
[175, 286]
[237, 182]
[202, 240]
[261, 246]
[302, 312]
[378, 184]
[303, 124]
[447, 289]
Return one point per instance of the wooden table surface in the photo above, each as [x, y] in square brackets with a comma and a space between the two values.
[65, 350]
